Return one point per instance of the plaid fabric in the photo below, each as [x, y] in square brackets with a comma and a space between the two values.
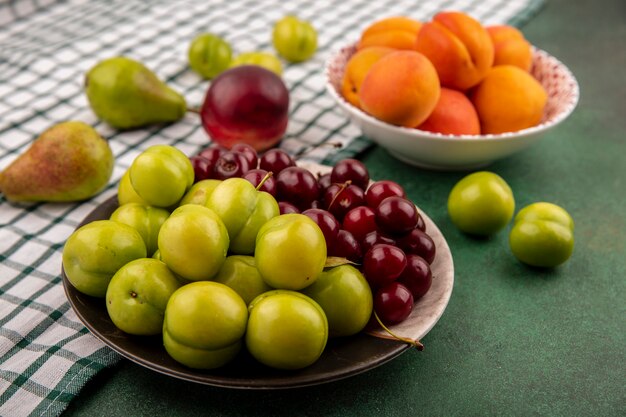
[46, 46]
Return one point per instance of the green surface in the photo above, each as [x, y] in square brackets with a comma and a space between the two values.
[513, 340]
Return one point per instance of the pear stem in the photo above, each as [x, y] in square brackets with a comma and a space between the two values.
[265, 178]
[193, 110]
[413, 342]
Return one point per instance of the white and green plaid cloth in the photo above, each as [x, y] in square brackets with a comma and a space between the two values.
[46, 46]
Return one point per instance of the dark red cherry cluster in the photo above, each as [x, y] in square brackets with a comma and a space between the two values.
[372, 224]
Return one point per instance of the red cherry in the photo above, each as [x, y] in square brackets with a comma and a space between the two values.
[396, 215]
[380, 190]
[393, 303]
[418, 243]
[382, 264]
[417, 276]
[360, 221]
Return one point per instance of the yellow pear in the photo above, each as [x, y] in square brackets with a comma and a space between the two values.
[69, 161]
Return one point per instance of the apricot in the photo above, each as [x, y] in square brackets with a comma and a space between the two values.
[510, 47]
[454, 114]
[401, 88]
[396, 32]
[356, 70]
[459, 47]
[508, 99]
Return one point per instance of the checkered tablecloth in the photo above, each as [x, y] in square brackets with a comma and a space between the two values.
[46, 46]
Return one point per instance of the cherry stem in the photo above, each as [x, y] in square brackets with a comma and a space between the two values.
[341, 188]
[413, 342]
[265, 178]
[309, 149]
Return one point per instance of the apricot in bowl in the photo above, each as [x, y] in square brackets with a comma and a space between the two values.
[459, 151]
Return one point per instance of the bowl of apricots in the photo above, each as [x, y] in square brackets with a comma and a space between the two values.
[449, 93]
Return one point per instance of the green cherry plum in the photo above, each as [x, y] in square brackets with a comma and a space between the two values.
[161, 175]
[481, 204]
[294, 39]
[209, 55]
[193, 242]
[137, 295]
[147, 220]
[346, 298]
[239, 272]
[204, 325]
[286, 329]
[95, 251]
[243, 210]
[262, 59]
[126, 193]
[183, 281]
[290, 251]
[200, 192]
[542, 235]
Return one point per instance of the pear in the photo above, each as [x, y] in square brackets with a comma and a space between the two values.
[69, 161]
[126, 95]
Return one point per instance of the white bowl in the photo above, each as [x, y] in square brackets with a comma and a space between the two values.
[459, 152]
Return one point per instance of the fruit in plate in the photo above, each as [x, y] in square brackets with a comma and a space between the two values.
[275, 160]
[327, 224]
[454, 114]
[69, 161]
[458, 46]
[204, 325]
[383, 264]
[416, 276]
[137, 295]
[393, 303]
[161, 175]
[262, 179]
[508, 99]
[147, 220]
[510, 47]
[193, 242]
[380, 190]
[126, 193]
[247, 104]
[200, 192]
[126, 94]
[294, 39]
[542, 235]
[481, 203]
[298, 186]
[401, 88]
[357, 68]
[396, 215]
[397, 32]
[239, 272]
[95, 251]
[243, 210]
[418, 242]
[290, 251]
[209, 55]
[346, 298]
[262, 59]
[286, 329]
[351, 170]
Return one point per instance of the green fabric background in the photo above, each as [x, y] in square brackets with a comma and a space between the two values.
[513, 340]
